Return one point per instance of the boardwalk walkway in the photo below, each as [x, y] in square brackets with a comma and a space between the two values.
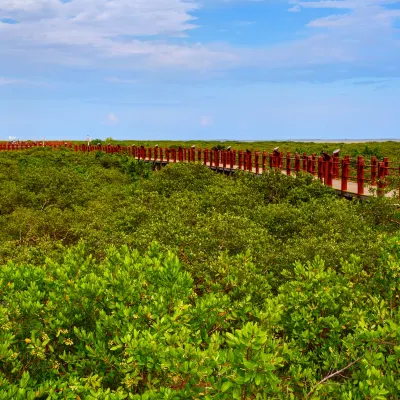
[352, 187]
[351, 177]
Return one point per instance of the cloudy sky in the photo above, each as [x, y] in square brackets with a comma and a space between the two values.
[191, 69]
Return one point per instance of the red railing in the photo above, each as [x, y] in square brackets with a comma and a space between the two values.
[348, 175]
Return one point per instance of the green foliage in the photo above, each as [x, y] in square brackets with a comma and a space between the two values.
[257, 287]
[132, 326]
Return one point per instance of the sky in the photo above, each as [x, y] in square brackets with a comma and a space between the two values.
[200, 69]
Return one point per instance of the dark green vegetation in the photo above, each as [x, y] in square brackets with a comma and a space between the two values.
[256, 288]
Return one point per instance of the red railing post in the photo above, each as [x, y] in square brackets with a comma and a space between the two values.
[328, 165]
[386, 162]
[280, 158]
[330, 174]
[381, 179]
[288, 162]
[313, 164]
[321, 168]
[205, 156]
[224, 155]
[199, 155]
[216, 158]
[305, 162]
[360, 175]
[309, 165]
[374, 163]
[180, 155]
[297, 162]
[167, 154]
[256, 161]
[264, 161]
[174, 155]
[345, 173]
[335, 167]
[249, 161]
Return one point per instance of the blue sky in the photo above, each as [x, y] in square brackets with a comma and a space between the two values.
[210, 69]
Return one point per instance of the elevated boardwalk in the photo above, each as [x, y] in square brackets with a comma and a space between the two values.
[351, 192]
[350, 177]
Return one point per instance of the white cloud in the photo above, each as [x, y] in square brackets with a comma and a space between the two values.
[112, 119]
[85, 32]
[6, 81]
[136, 35]
[12, 81]
[122, 81]
[206, 120]
[343, 4]
[295, 8]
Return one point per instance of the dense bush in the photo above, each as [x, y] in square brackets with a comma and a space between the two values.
[132, 326]
[268, 287]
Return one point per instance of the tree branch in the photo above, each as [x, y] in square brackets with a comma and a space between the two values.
[333, 375]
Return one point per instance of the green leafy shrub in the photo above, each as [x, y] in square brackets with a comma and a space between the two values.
[258, 287]
[134, 326]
